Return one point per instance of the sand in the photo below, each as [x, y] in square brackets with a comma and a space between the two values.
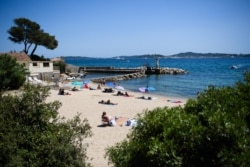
[85, 102]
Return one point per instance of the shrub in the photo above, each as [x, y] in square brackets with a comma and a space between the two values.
[32, 133]
[212, 130]
[12, 74]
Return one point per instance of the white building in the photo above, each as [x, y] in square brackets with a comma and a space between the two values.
[43, 70]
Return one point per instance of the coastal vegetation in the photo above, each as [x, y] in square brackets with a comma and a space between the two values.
[31, 35]
[12, 74]
[212, 130]
[33, 133]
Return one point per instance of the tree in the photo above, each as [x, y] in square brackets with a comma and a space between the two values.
[30, 34]
[61, 65]
[33, 134]
[12, 74]
[212, 130]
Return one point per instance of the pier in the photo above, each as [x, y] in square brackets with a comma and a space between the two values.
[123, 73]
[144, 69]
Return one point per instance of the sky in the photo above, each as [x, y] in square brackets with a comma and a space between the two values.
[109, 28]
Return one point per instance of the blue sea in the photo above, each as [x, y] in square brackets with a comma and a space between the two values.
[202, 72]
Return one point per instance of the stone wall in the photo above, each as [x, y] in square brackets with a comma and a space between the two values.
[120, 77]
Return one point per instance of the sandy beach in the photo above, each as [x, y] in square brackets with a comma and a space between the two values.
[85, 102]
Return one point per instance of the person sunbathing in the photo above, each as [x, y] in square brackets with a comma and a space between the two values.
[107, 102]
[106, 119]
[108, 90]
[74, 89]
[119, 93]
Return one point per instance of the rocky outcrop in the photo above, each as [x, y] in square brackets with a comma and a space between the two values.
[120, 77]
[173, 71]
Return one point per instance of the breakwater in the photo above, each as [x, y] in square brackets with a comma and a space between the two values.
[125, 73]
[119, 77]
[146, 70]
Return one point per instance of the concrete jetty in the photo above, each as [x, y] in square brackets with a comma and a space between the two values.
[109, 70]
[146, 70]
[125, 73]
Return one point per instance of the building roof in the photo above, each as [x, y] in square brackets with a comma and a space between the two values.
[19, 56]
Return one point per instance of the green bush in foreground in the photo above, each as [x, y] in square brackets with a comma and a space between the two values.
[212, 130]
[32, 133]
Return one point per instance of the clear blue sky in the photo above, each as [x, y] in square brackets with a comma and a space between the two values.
[107, 28]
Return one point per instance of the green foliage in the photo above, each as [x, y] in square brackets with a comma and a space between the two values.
[212, 130]
[62, 66]
[29, 33]
[38, 58]
[12, 74]
[32, 133]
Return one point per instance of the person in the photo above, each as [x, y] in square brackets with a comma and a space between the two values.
[86, 86]
[108, 90]
[74, 89]
[107, 102]
[99, 87]
[126, 94]
[61, 91]
[106, 119]
[102, 102]
[91, 88]
[119, 93]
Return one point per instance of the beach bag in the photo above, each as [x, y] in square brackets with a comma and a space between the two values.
[131, 122]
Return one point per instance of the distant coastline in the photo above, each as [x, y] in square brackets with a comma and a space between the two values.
[179, 55]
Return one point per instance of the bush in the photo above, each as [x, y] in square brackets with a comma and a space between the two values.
[12, 74]
[212, 130]
[61, 66]
[32, 133]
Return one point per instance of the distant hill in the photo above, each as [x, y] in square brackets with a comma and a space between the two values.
[207, 55]
[179, 55]
[140, 56]
[187, 55]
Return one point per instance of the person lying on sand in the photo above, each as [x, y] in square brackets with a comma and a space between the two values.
[107, 102]
[147, 98]
[74, 89]
[119, 93]
[108, 90]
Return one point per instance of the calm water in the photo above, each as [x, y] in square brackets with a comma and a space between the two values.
[202, 72]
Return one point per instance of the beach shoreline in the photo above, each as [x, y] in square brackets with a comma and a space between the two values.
[86, 102]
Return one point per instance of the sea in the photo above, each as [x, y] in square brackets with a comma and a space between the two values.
[201, 73]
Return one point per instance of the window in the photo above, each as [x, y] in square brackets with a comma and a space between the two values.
[35, 64]
[45, 64]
